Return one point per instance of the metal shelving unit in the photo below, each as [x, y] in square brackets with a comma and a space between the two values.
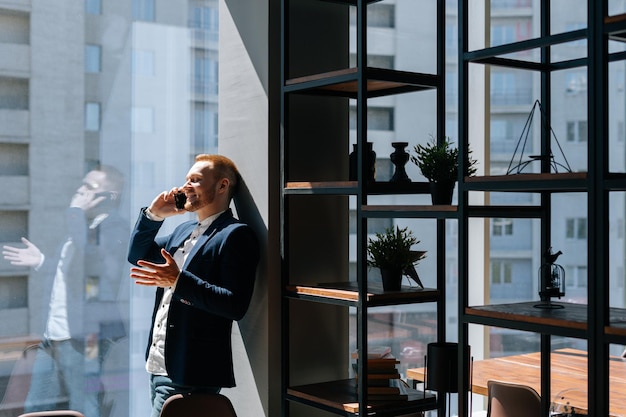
[595, 322]
[345, 397]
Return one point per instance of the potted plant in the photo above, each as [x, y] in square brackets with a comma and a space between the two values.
[391, 252]
[439, 163]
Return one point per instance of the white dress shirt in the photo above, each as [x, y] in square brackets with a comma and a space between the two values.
[156, 356]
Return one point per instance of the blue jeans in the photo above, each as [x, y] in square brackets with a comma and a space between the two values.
[58, 374]
[162, 387]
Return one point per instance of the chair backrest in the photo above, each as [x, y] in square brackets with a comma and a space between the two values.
[53, 413]
[512, 400]
[198, 405]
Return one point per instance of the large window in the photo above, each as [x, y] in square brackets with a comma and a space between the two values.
[98, 116]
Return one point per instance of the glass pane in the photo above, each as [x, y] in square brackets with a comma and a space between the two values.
[79, 156]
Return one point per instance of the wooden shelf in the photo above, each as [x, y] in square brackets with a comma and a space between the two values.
[341, 397]
[351, 2]
[570, 320]
[410, 211]
[616, 27]
[344, 83]
[351, 187]
[557, 182]
[617, 330]
[326, 187]
[348, 293]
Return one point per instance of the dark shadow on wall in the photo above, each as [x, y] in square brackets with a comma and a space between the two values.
[253, 326]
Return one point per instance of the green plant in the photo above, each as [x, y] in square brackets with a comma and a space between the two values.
[392, 249]
[439, 162]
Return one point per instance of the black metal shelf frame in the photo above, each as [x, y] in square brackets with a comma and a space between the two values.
[598, 183]
[360, 83]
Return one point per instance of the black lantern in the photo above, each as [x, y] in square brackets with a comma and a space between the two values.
[551, 280]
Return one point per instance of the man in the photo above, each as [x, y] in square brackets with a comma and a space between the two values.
[204, 273]
[84, 307]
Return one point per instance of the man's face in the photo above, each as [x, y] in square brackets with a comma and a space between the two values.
[200, 186]
[95, 195]
[94, 181]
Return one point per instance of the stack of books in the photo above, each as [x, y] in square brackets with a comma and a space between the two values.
[383, 377]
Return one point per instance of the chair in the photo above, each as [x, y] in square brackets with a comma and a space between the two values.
[198, 405]
[54, 413]
[512, 400]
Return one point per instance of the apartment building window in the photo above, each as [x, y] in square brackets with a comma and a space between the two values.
[14, 93]
[452, 84]
[204, 17]
[576, 228]
[142, 119]
[93, 6]
[501, 272]
[575, 82]
[502, 227]
[502, 34]
[508, 4]
[143, 63]
[92, 117]
[204, 128]
[378, 15]
[511, 88]
[205, 73]
[13, 292]
[93, 58]
[576, 276]
[452, 38]
[505, 133]
[144, 10]
[374, 225]
[14, 27]
[375, 60]
[510, 31]
[577, 131]
[378, 118]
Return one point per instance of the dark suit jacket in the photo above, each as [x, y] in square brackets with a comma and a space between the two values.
[214, 288]
[98, 255]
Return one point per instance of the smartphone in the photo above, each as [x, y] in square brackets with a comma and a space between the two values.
[179, 200]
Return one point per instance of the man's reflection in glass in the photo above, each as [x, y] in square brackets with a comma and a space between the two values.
[85, 315]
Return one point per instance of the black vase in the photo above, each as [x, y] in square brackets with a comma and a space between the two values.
[392, 279]
[370, 162]
[400, 157]
[441, 192]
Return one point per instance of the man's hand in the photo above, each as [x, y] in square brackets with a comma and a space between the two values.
[156, 275]
[164, 205]
[28, 256]
[86, 199]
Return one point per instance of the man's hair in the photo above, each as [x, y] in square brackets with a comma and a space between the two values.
[113, 175]
[223, 168]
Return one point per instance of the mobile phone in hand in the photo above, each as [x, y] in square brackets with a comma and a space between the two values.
[179, 200]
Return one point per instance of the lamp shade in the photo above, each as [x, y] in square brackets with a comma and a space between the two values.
[442, 366]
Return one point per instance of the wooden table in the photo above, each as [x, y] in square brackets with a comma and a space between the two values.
[568, 376]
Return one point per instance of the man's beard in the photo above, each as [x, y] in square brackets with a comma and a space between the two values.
[199, 203]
